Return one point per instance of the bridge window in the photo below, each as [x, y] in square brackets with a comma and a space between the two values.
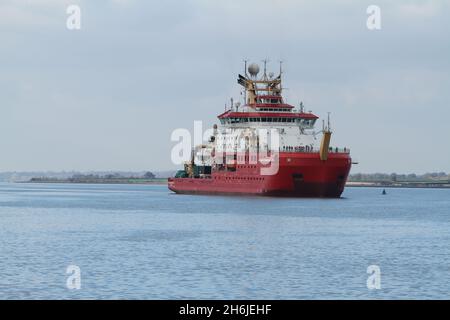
[307, 123]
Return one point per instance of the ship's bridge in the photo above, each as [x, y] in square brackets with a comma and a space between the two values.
[270, 103]
[269, 99]
[306, 120]
[264, 103]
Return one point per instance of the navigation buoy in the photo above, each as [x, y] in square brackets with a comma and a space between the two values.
[384, 192]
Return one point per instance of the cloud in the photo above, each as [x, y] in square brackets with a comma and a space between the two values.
[422, 9]
[26, 13]
[111, 94]
[124, 2]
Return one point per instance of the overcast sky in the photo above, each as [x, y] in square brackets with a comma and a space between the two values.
[108, 96]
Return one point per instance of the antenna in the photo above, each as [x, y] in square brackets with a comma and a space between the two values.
[329, 128]
[281, 72]
[265, 68]
[245, 68]
[246, 76]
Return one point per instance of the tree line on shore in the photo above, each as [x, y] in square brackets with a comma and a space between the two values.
[439, 177]
[396, 177]
[79, 177]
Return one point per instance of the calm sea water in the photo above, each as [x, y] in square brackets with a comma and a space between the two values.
[144, 242]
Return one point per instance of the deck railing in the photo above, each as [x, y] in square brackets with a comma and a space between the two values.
[313, 150]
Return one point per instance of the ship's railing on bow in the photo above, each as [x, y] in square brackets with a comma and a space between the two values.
[308, 149]
[339, 150]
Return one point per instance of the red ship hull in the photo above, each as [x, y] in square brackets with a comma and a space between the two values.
[299, 175]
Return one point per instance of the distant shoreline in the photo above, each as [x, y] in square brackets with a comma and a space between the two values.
[156, 181]
[163, 181]
[426, 185]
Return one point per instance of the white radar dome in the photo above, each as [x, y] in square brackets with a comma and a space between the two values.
[253, 69]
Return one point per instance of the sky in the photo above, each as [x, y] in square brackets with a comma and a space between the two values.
[108, 96]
